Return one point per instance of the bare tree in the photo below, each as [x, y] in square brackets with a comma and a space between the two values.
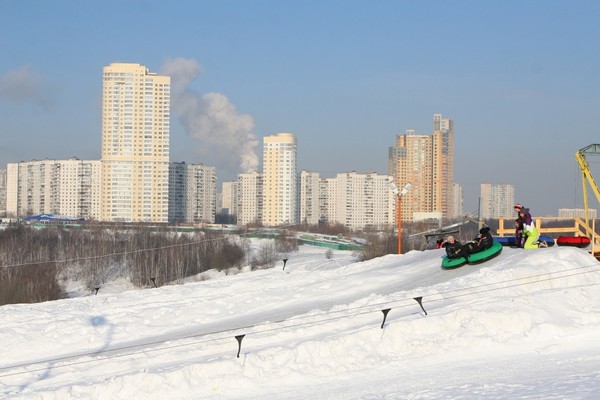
[265, 256]
[33, 262]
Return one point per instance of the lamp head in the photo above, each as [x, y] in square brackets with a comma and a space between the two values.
[405, 189]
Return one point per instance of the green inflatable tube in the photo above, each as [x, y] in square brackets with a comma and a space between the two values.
[485, 255]
[475, 258]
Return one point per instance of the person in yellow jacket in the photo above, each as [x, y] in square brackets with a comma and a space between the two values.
[529, 230]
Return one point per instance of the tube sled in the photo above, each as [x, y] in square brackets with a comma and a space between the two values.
[547, 239]
[505, 240]
[475, 258]
[574, 241]
[450, 263]
[488, 254]
[511, 241]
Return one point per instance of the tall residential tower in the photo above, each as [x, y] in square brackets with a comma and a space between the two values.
[279, 180]
[135, 144]
[426, 161]
[443, 166]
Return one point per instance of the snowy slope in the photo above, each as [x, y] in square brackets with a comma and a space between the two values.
[524, 324]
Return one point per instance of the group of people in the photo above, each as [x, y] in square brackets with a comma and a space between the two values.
[454, 249]
[526, 236]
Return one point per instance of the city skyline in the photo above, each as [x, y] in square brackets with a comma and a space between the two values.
[518, 79]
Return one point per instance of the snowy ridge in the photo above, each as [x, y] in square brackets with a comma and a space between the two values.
[523, 324]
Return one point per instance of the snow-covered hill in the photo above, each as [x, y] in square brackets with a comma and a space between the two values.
[525, 324]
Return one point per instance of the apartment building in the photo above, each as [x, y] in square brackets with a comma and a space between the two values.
[458, 200]
[279, 180]
[496, 201]
[309, 198]
[135, 144]
[66, 187]
[577, 212]
[192, 193]
[442, 162]
[228, 205]
[327, 200]
[427, 162]
[364, 200]
[249, 198]
[410, 161]
[201, 190]
[2, 191]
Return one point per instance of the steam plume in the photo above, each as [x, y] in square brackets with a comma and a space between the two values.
[212, 118]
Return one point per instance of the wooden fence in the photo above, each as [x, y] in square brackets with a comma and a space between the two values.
[563, 227]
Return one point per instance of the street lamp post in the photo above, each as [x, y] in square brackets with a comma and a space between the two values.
[399, 222]
[399, 194]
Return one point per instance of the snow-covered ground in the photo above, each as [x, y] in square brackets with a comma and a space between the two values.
[523, 325]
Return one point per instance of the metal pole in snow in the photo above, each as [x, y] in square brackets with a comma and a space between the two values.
[385, 313]
[420, 301]
[239, 339]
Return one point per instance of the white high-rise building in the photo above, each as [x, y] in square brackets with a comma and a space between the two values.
[192, 193]
[2, 191]
[496, 201]
[229, 198]
[458, 201]
[576, 212]
[279, 180]
[364, 200]
[249, 198]
[201, 193]
[66, 187]
[135, 144]
[309, 198]
[177, 192]
[327, 200]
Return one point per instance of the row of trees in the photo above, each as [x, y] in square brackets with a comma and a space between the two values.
[34, 262]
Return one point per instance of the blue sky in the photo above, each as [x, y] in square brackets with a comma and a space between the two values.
[520, 79]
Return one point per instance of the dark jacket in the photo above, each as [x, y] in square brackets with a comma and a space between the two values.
[485, 241]
[526, 217]
[519, 223]
[453, 249]
[519, 240]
